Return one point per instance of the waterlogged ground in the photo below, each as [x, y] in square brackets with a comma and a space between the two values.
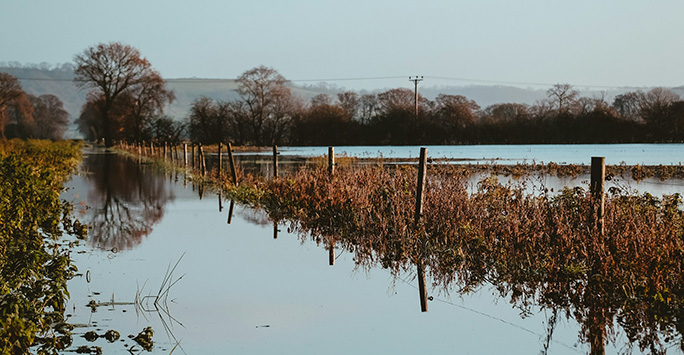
[234, 288]
[630, 154]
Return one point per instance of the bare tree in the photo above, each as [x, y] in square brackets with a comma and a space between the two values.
[655, 102]
[165, 129]
[148, 101]
[111, 69]
[321, 100]
[401, 99]
[350, 103]
[562, 96]
[506, 113]
[628, 105]
[267, 103]
[368, 107]
[209, 121]
[456, 111]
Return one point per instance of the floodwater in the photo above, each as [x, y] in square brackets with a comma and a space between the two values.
[159, 255]
[630, 154]
[580, 154]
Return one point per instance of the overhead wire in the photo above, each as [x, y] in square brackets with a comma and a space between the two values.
[370, 78]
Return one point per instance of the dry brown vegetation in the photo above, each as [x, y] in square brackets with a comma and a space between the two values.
[537, 248]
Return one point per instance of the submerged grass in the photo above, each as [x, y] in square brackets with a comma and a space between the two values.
[536, 248]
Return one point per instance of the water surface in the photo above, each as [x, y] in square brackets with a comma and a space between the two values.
[237, 289]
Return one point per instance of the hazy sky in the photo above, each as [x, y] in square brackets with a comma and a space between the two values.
[581, 42]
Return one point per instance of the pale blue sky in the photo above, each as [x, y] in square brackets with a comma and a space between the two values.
[602, 43]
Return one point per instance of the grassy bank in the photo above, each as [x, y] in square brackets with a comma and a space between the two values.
[34, 268]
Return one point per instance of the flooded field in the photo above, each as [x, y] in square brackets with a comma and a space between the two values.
[158, 255]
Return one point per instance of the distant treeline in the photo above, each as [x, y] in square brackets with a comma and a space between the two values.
[127, 99]
[27, 116]
[393, 117]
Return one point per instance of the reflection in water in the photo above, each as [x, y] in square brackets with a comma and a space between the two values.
[540, 251]
[605, 285]
[125, 202]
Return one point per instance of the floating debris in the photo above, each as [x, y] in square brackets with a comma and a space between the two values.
[144, 338]
[112, 335]
[91, 336]
[89, 350]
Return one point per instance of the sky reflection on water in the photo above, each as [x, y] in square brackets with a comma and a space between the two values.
[239, 290]
[630, 154]
[242, 291]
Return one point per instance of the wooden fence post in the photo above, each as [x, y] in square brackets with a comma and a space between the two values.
[331, 172]
[230, 211]
[598, 179]
[192, 155]
[422, 166]
[231, 161]
[597, 326]
[422, 163]
[275, 161]
[220, 161]
[202, 162]
[331, 160]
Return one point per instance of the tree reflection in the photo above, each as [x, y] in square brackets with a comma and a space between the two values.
[126, 201]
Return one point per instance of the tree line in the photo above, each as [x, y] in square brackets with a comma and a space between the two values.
[127, 97]
[23, 115]
[389, 117]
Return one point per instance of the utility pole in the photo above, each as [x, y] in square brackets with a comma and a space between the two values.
[415, 80]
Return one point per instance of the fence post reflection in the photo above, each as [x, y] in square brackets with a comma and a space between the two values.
[331, 253]
[230, 211]
[598, 178]
[422, 165]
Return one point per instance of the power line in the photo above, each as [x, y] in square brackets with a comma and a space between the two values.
[351, 79]
[484, 81]
[521, 82]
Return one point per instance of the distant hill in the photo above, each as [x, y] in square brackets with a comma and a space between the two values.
[58, 81]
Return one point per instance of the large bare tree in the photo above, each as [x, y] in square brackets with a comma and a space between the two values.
[268, 102]
[562, 97]
[148, 101]
[112, 70]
